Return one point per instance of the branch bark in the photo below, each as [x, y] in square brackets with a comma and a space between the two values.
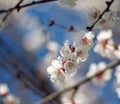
[79, 83]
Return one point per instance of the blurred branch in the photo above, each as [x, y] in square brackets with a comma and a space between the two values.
[9, 12]
[24, 68]
[25, 79]
[79, 83]
[19, 7]
[108, 3]
[20, 76]
[69, 29]
[16, 67]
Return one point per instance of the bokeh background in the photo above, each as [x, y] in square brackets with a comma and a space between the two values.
[28, 44]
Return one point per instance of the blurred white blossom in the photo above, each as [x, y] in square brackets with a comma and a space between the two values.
[34, 40]
[68, 98]
[4, 89]
[102, 77]
[52, 46]
[117, 80]
[105, 46]
[117, 90]
[117, 74]
[70, 3]
[7, 97]
[11, 99]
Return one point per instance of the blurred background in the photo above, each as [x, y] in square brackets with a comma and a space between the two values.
[28, 44]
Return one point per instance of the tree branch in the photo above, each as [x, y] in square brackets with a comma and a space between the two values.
[9, 12]
[18, 75]
[18, 7]
[108, 3]
[25, 5]
[79, 83]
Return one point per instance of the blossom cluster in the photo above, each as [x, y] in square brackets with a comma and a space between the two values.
[8, 98]
[71, 56]
[106, 46]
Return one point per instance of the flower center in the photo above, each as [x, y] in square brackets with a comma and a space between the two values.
[85, 40]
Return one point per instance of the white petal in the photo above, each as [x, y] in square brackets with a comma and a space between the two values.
[51, 69]
[56, 63]
[3, 89]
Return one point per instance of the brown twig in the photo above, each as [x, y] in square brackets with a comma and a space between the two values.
[25, 5]
[79, 83]
[18, 7]
[9, 12]
[89, 28]
[108, 3]
[69, 29]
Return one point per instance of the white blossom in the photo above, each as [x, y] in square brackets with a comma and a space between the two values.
[117, 90]
[52, 46]
[117, 74]
[70, 65]
[117, 80]
[68, 98]
[104, 35]
[101, 78]
[65, 50]
[56, 71]
[83, 43]
[84, 38]
[82, 54]
[71, 56]
[11, 99]
[4, 89]
[105, 46]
